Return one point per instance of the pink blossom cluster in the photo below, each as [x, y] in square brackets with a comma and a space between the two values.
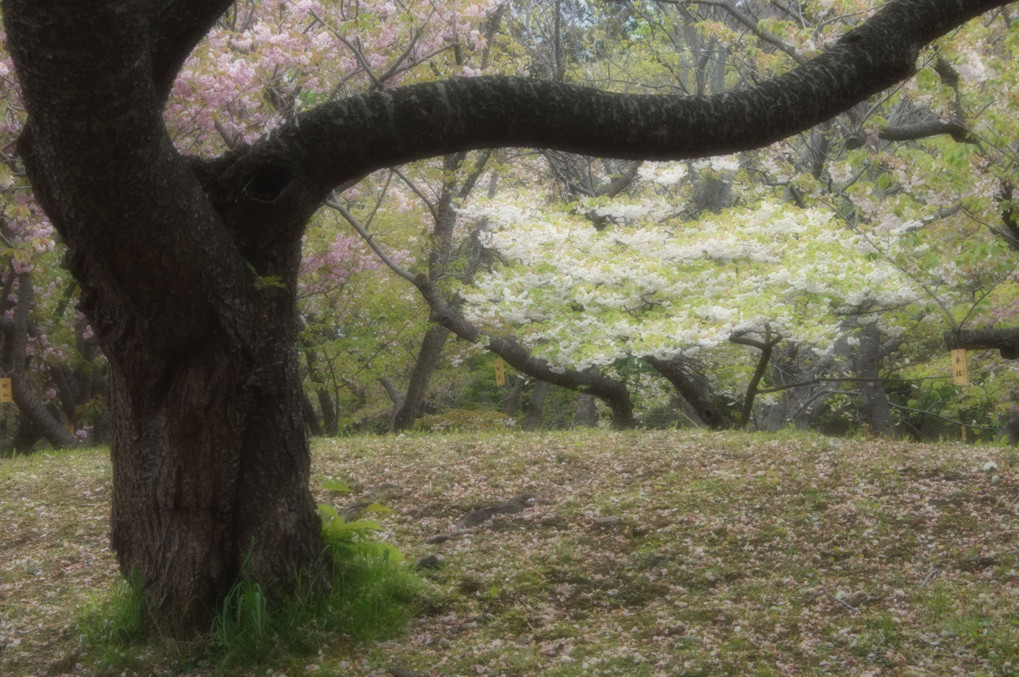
[329, 270]
[269, 61]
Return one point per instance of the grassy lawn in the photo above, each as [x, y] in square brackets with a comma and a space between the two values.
[640, 553]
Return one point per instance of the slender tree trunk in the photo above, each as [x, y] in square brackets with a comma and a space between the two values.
[327, 405]
[766, 346]
[43, 422]
[428, 358]
[440, 260]
[311, 416]
[395, 396]
[876, 412]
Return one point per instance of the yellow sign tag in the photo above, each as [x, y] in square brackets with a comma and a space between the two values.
[960, 369]
[6, 393]
[500, 372]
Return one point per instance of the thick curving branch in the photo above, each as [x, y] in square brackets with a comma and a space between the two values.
[1005, 340]
[613, 392]
[346, 139]
[694, 394]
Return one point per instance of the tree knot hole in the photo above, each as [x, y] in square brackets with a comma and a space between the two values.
[268, 182]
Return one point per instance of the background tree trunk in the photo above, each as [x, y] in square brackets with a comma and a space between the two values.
[327, 405]
[586, 413]
[536, 408]
[876, 412]
[514, 396]
[424, 366]
[41, 421]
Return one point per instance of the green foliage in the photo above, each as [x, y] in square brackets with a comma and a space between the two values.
[337, 486]
[119, 619]
[365, 590]
[242, 627]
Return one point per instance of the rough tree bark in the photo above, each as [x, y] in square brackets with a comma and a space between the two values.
[188, 268]
[210, 457]
[586, 413]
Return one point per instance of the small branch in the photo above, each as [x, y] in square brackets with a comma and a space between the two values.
[943, 418]
[750, 24]
[922, 130]
[847, 379]
[766, 348]
[424, 198]
[825, 593]
[358, 54]
[370, 239]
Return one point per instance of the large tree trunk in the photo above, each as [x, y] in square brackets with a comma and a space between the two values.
[211, 473]
[188, 275]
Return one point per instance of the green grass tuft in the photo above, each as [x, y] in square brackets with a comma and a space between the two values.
[366, 591]
[117, 620]
[371, 594]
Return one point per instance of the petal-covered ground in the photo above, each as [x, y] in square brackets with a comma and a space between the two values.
[597, 553]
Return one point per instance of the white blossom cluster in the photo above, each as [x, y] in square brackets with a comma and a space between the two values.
[586, 297]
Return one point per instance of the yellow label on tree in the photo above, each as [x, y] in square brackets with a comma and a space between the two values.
[960, 369]
[500, 372]
[6, 394]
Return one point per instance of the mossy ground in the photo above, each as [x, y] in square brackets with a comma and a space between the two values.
[642, 553]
